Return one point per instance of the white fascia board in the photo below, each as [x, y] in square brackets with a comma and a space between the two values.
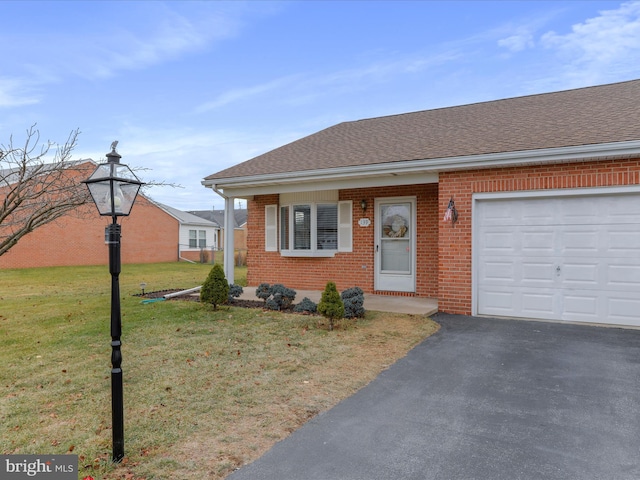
[413, 171]
[341, 184]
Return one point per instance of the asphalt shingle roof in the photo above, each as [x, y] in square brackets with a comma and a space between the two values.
[217, 216]
[187, 217]
[585, 116]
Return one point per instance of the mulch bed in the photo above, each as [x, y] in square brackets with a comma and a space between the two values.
[196, 298]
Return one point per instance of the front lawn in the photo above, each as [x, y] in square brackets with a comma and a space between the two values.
[205, 391]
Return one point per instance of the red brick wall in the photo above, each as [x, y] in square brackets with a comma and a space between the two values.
[148, 235]
[346, 269]
[454, 266]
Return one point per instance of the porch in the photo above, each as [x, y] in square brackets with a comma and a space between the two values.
[380, 303]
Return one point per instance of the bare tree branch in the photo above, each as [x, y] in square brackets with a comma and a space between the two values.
[35, 190]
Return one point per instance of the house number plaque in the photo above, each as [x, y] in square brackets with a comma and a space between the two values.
[364, 222]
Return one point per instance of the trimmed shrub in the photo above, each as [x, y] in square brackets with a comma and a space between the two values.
[215, 289]
[353, 300]
[234, 291]
[263, 291]
[306, 306]
[276, 296]
[331, 305]
[283, 297]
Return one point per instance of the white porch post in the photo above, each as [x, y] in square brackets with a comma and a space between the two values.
[229, 242]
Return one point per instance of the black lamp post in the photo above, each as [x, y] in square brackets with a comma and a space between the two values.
[113, 188]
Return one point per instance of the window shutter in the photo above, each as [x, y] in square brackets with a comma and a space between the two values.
[271, 228]
[345, 235]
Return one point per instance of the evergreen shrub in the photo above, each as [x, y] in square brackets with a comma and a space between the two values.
[331, 305]
[353, 300]
[306, 306]
[215, 289]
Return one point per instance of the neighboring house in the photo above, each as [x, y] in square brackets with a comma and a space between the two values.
[78, 238]
[546, 189]
[198, 237]
[240, 225]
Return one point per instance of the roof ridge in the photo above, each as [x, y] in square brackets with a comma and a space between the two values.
[484, 102]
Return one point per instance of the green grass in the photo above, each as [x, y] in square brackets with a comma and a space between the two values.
[205, 391]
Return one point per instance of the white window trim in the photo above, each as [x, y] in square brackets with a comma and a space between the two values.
[344, 230]
[271, 228]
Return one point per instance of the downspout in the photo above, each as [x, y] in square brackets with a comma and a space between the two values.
[180, 257]
[229, 237]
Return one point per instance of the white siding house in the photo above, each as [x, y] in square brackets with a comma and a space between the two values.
[197, 238]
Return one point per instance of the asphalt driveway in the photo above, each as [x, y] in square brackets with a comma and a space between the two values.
[481, 399]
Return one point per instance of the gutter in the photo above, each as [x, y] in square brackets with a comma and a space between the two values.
[433, 166]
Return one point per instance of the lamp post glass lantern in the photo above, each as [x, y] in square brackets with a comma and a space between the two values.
[113, 188]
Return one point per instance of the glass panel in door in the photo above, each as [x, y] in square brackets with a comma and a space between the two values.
[395, 238]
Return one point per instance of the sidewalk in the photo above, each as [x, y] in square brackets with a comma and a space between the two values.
[380, 303]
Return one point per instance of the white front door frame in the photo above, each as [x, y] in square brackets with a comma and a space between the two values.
[400, 281]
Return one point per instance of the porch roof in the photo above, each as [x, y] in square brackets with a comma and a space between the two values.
[588, 122]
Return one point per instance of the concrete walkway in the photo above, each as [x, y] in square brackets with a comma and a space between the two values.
[379, 303]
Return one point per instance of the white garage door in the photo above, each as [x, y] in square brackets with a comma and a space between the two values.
[574, 258]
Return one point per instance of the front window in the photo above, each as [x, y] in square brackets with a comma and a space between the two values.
[310, 227]
[299, 229]
[193, 239]
[202, 238]
[327, 236]
[302, 227]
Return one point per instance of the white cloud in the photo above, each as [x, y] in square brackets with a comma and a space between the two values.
[518, 42]
[148, 35]
[604, 45]
[184, 157]
[123, 50]
[15, 92]
[242, 94]
[304, 88]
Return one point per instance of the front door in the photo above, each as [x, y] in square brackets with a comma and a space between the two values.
[395, 251]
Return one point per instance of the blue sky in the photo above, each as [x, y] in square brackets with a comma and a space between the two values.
[191, 88]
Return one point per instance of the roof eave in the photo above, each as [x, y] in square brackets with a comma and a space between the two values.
[419, 171]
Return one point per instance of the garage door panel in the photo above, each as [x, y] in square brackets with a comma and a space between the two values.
[497, 242]
[574, 258]
[530, 215]
[537, 273]
[539, 241]
[503, 300]
[580, 240]
[624, 310]
[538, 304]
[497, 301]
[584, 307]
[618, 209]
[580, 274]
[499, 271]
[575, 211]
[624, 277]
[624, 240]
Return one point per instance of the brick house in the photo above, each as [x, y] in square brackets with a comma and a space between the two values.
[149, 235]
[546, 190]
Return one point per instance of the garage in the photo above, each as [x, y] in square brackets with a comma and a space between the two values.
[571, 255]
